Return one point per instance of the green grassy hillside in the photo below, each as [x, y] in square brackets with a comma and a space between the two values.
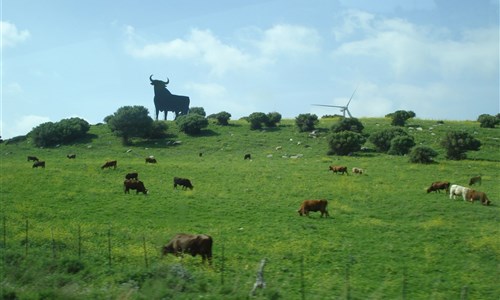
[70, 232]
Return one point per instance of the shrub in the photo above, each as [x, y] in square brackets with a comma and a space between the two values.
[382, 139]
[191, 123]
[348, 124]
[197, 110]
[400, 117]
[273, 118]
[158, 130]
[130, 121]
[488, 121]
[345, 142]
[422, 155]
[457, 143]
[306, 122]
[257, 119]
[64, 131]
[401, 145]
[221, 117]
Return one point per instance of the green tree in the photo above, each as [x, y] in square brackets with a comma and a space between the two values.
[382, 139]
[422, 155]
[457, 143]
[400, 117]
[64, 131]
[345, 142]
[273, 118]
[401, 145]
[130, 121]
[197, 110]
[306, 122]
[257, 119]
[348, 124]
[191, 123]
[488, 121]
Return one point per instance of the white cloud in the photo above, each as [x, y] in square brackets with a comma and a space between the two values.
[23, 126]
[289, 40]
[11, 36]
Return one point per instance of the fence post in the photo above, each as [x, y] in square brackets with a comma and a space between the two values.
[145, 252]
[463, 293]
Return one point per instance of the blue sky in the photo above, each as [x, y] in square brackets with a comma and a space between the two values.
[61, 59]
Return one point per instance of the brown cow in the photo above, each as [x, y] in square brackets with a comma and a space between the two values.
[132, 184]
[474, 180]
[39, 164]
[313, 205]
[109, 164]
[438, 186]
[193, 244]
[339, 169]
[473, 195]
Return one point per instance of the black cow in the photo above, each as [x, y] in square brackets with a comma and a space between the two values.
[474, 180]
[33, 158]
[166, 101]
[132, 184]
[184, 182]
[132, 176]
[39, 164]
[109, 164]
[247, 156]
[151, 160]
[193, 244]
[71, 156]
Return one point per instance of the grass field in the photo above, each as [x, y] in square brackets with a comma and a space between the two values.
[70, 232]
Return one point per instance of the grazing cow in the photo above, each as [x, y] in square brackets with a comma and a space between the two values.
[33, 158]
[357, 171]
[109, 164]
[194, 244]
[71, 156]
[458, 190]
[247, 156]
[132, 184]
[39, 164]
[476, 195]
[151, 160]
[166, 101]
[184, 182]
[313, 205]
[132, 176]
[474, 180]
[339, 169]
[438, 186]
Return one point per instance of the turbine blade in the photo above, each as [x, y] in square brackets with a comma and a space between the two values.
[352, 96]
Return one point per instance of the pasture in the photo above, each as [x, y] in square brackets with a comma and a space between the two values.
[70, 232]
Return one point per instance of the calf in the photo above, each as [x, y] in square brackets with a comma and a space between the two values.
[458, 190]
[32, 158]
[313, 205]
[184, 182]
[109, 164]
[339, 169]
[194, 244]
[132, 176]
[357, 171]
[473, 195]
[474, 180]
[132, 184]
[39, 164]
[151, 160]
[247, 156]
[438, 186]
[71, 156]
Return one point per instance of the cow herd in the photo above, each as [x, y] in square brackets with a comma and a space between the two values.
[467, 193]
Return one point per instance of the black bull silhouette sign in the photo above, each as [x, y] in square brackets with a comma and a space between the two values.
[166, 101]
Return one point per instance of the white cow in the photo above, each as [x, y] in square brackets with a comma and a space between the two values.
[458, 190]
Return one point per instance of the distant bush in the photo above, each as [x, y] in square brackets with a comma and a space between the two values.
[400, 117]
[257, 119]
[273, 118]
[158, 130]
[457, 143]
[306, 122]
[488, 121]
[191, 123]
[197, 110]
[382, 139]
[348, 124]
[345, 142]
[422, 155]
[64, 131]
[401, 145]
[221, 117]
[130, 121]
